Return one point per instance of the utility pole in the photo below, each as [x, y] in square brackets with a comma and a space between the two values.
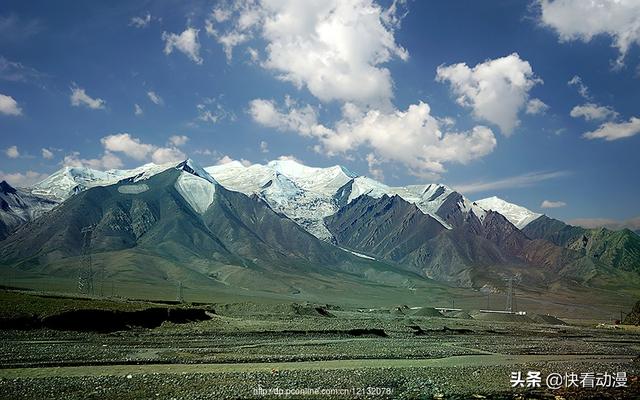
[85, 275]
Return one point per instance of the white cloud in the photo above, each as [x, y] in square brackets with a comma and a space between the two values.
[210, 110]
[136, 149]
[226, 160]
[517, 181]
[631, 223]
[178, 140]
[336, 49]
[8, 106]
[80, 98]
[132, 147]
[615, 130]
[536, 106]
[186, 42]
[19, 179]
[290, 157]
[137, 110]
[264, 147]
[582, 88]
[125, 143]
[164, 155]
[254, 55]
[590, 111]
[141, 22]
[155, 98]
[47, 154]
[496, 90]
[412, 137]
[17, 72]
[583, 20]
[376, 172]
[107, 161]
[552, 204]
[12, 152]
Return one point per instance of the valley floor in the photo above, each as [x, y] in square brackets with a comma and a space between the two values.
[249, 350]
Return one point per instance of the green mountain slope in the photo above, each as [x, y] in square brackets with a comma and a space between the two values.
[616, 249]
[149, 232]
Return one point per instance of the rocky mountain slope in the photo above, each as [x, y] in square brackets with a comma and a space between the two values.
[618, 249]
[180, 222]
[17, 207]
[231, 220]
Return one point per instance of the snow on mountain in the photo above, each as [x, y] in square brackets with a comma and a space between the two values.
[428, 198]
[197, 191]
[288, 188]
[71, 180]
[517, 215]
[18, 207]
[309, 194]
[326, 181]
[305, 194]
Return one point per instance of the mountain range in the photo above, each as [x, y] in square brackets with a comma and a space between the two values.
[283, 225]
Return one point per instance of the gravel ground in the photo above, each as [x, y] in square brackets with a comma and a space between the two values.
[280, 338]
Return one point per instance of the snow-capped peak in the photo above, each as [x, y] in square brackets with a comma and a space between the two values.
[194, 168]
[517, 215]
[70, 180]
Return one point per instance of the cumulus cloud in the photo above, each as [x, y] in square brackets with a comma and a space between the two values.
[125, 143]
[373, 163]
[155, 98]
[591, 111]
[164, 155]
[8, 106]
[496, 90]
[20, 179]
[47, 154]
[536, 106]
[615, 130]
[130, 146]
[107, 161]
[552, 204]
[186, 42]
[133, 147]
[80, 98]
[12, 152]
[178, 140]
[264, 147]
[226, 160]
[141, 22]
[517, 181]
[345, 44]
[583, 20]
[137, 110]
[412, 137]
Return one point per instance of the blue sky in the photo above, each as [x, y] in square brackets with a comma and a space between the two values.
[476, 95]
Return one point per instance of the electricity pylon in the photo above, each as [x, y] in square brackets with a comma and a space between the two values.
[510, 296]
[85, 275]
